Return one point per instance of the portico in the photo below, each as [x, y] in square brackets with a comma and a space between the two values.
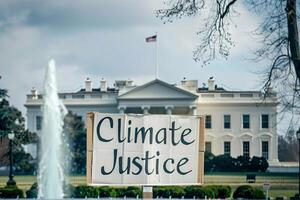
[158, 97]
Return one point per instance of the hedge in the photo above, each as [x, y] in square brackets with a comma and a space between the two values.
[83, 191]
[226, 163]
[33, 191]
[248, 192]
[198, 192]
[213, 191]
[168, 191]
[11, 192]
[130, 191]
[220, 191]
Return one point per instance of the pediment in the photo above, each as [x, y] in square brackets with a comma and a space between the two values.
[246, 135]
[157, 89]
[228, 136]
[265, 135]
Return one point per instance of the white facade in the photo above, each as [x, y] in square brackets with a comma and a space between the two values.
[238, 122]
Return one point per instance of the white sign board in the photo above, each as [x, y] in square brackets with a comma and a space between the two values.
[266, 186]
[144, 149]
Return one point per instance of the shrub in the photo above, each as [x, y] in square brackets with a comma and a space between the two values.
[220, 191]
[130, 191]
[225, 163]
[259, 164]
[106, 191]
[120, 192]
[249, 192]
[69, 190]
[11, 192]
[224, 191]
[33, 191]
[133, 192]
[198, 192]
[83, 191]
[208, 164]
[167, 191]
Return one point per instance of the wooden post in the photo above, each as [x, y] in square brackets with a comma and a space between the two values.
[89, 146]
[147, 192]
[201, 152]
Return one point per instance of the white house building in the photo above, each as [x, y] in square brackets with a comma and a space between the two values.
[237, 122]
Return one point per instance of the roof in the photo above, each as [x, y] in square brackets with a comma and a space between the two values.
[160, 82]
[112, 90]
[222, 90]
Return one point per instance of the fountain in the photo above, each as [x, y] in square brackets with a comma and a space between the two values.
[51, 177]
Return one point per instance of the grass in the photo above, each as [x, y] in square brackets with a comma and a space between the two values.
[281, 184]
[285, 185]
[233, 179]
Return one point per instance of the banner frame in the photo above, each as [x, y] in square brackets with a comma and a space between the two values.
[89, 151]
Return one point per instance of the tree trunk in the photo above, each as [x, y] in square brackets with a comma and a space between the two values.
[293, 36]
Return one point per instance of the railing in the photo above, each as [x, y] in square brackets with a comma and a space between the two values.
[256, 96]
[72, 96]
[106, 97]
[72, 99]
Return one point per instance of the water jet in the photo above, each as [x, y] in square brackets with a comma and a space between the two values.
[50, 175]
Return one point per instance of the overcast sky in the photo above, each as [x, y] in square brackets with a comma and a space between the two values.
[107, 39]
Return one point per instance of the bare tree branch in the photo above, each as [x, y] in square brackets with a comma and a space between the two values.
[278, 33]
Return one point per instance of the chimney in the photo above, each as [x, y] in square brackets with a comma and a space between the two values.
[34, 93]
[190, 85]
[88, 85]
[211, 84]
[103, 85]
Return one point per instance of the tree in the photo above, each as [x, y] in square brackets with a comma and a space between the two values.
[288, 147]
[75, 135]
[11, 120]
[278, 32]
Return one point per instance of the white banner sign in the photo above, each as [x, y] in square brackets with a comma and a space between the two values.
[145, 149]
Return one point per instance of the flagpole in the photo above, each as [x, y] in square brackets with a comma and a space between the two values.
[156, 67]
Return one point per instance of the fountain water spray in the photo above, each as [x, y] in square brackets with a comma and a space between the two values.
[50, 177]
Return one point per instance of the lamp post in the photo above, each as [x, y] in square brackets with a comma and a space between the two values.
[11, 180]
[298, 137]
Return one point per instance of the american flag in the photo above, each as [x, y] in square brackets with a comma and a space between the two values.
[151, 39]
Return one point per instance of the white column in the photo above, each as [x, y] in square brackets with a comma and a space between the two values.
[122, 109]
[145, 109]
[193, 109]
[169, 110]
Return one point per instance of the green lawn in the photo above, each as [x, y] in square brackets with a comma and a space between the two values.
[281, 184]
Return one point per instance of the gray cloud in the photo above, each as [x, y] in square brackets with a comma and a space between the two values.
[78, 15]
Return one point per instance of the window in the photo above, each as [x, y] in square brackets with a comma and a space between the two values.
[38, 123]
[208, 147]
[227, 148]
[264, 121]
[246, 121]
[208, 121]
[246, 149]
[227, 121]
[227, 95]
[246, 95]
[77, 96]
[265, 149]
[78, 117]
